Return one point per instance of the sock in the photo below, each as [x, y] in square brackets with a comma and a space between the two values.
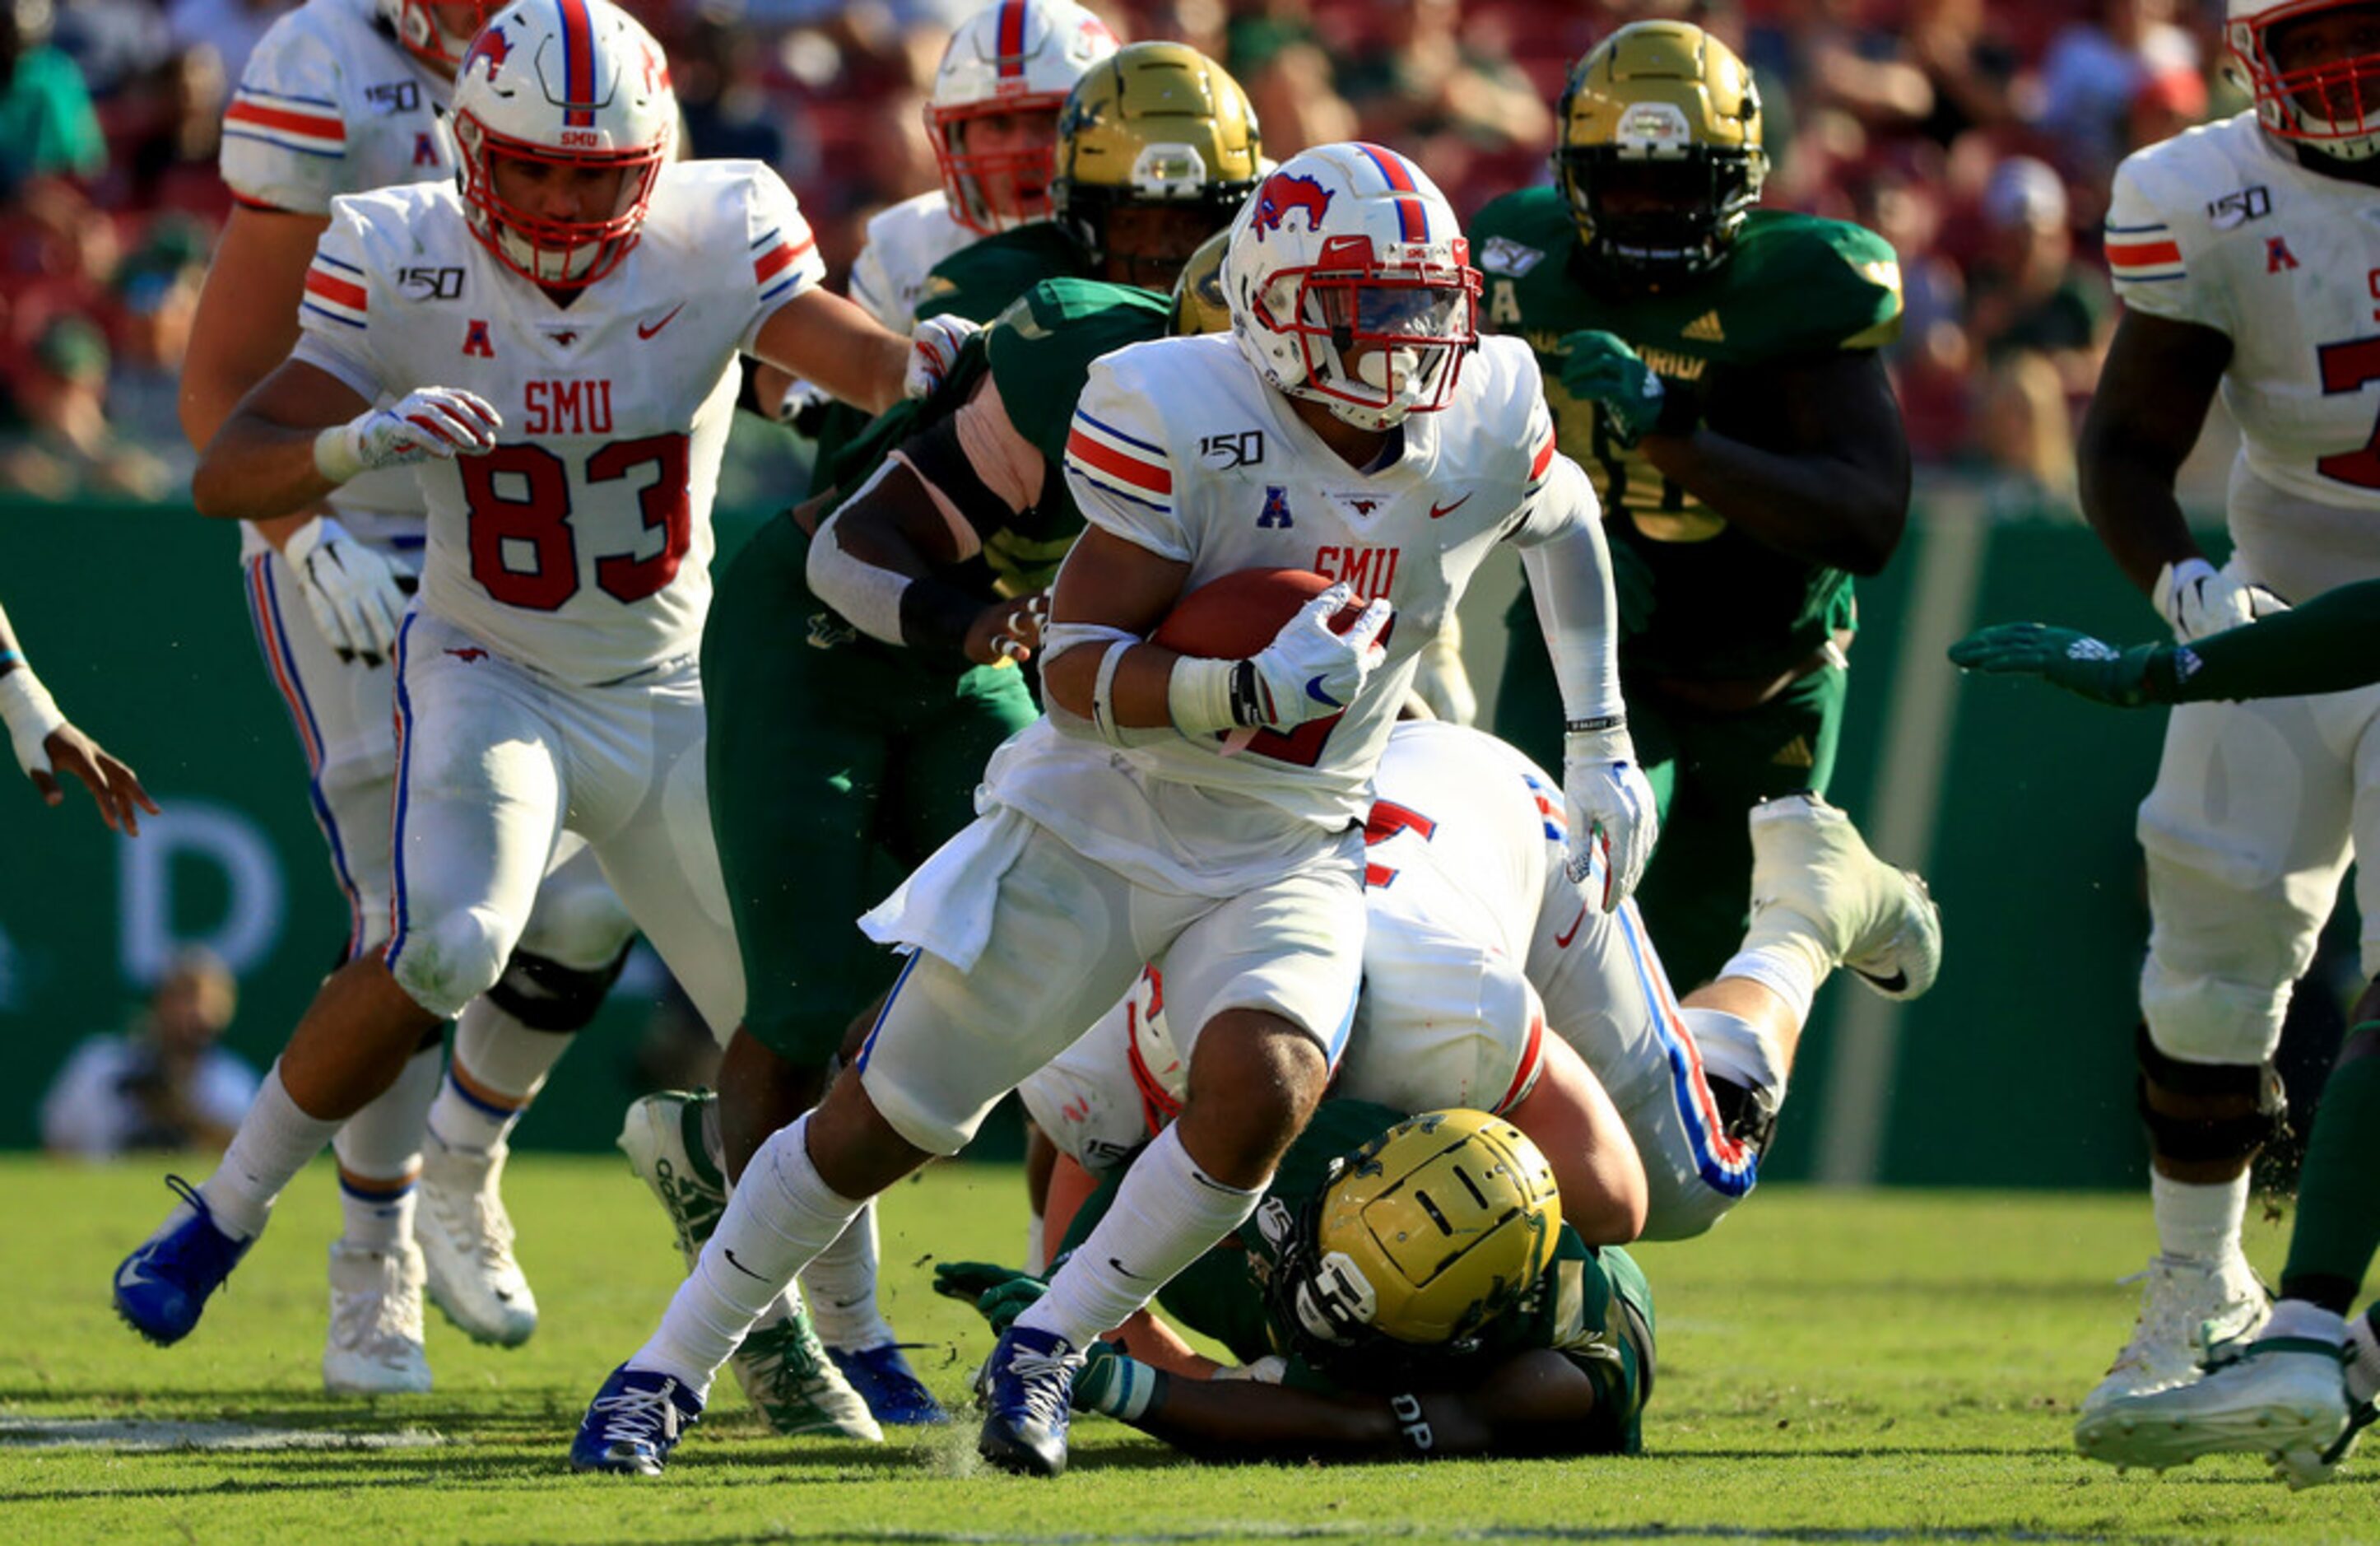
[1166, 1214]
[1733, 1049]
[380, 1158]
[781, 1216]
[274, 1142]
[499, 1066]
[841, 1288]
[1037, 1248]
[2338, 1213]
[1785, 957]
[2199, 1222]
[2299, 1317]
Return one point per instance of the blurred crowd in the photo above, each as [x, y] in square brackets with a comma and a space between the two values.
[1978, 139]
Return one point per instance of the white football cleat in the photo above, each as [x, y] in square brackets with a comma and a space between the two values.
[2187, 1305]
[466, 1244]
[375, 1342]
[667, 1139]
[2284, 1397]
[1881, 923]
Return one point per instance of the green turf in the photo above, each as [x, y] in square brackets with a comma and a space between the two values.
[1833, 1368]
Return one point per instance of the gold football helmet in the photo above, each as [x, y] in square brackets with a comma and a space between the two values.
[1423, 1236]
[1156, 127]
[1199, 304]
[1659, 152]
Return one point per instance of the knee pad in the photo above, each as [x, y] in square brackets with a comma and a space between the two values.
[445, 965]
[2259, 1107]
[2201, 1019]
[546, 995]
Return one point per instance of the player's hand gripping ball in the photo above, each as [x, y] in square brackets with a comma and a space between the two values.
[1307, 644]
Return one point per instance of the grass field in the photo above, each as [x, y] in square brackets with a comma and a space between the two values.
[1833, 1368]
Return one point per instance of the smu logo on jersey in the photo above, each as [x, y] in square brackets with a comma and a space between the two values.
[1283, 192]
[567, 407]
[1372, 572]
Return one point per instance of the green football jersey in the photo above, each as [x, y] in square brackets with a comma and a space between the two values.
[983, 279]
[1577, 1307]
[1725, 606]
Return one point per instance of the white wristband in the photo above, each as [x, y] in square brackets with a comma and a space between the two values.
[335, 453]
[1199, 695]
[31, 716]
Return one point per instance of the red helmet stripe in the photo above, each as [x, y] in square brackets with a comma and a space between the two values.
[1413, 214]
[1012, 39]
[578, 65]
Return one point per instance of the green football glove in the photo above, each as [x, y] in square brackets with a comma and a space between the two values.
[2090, 667]
[1115, 1382]
[1601, 369]
[998, 1294]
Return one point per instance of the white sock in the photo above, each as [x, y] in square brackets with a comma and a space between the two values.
[274, 1142]
[380, 1157]
[1037, 1247]
[781, 1216]
[1733, 1049]
[841, 1288]
[2201, 1222]
[2305, 1318]
[499, 1066]
[1166, 1215]
[1790, 962]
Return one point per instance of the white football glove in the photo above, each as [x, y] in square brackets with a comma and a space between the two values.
[439, 422]
[934, 347]
[1613, 816]
[1309, 672]
[2198, 598]
[801, 396]
[352, 590]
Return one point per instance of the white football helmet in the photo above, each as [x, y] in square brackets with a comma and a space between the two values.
[569, 84]
[1018, 57]
[2329, 104]
[422, 27]
[1351, 285]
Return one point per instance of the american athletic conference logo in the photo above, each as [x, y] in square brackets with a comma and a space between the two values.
[1285, 191]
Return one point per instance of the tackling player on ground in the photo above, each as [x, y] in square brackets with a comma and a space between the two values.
[1205, 814]
[1712, 364]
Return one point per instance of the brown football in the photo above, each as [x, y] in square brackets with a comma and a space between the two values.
[1234, 615]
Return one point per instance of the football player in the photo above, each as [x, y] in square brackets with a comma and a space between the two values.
[1361, 1332]
[1479, 944]
[1205, 814]
[859, 680]
[2233, 246]
[342, 96]
[1712, 364]
[559, 387]
[46, 745]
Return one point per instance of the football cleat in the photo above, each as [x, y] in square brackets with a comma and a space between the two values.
[162, 1288]
[891, 1389]
[375, 1343]
[634, 1422]
[2187, 1305]
[1880, 922]
[1026, 1387]
[2283, 1397]
[665, 1140]
[466, 1245]
[787, 1375]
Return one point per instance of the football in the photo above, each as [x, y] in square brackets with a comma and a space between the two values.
[1234, 615]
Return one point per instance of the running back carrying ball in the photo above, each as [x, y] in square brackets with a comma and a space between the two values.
[1236, 614]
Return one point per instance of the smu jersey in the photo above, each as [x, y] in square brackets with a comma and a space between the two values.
[581, 544]
[1179, 447]
[2222, 228]
[903, 244]
[329, 104]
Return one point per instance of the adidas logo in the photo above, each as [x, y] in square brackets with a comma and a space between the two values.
[1706, 329]
[1796, 753]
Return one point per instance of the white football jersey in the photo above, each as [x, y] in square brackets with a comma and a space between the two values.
[2221, 227]
[330, 102]
[902, 245]
[1178, 447]
[581, 545]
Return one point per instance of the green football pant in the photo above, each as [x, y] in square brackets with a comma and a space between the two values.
[1707, 769]
[831, 754]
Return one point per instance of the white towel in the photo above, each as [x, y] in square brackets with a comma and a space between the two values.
[945, 906]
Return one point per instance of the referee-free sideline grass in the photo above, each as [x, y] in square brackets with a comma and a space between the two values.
[1833, 1366]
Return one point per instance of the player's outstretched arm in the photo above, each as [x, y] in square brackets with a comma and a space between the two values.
[303, 431]
[2154, 389]
[47, 746]
[832, 343]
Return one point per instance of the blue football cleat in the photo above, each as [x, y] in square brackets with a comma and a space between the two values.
[891, 1389]
[1027, 1388]
[634, 1422]
[162, 1288]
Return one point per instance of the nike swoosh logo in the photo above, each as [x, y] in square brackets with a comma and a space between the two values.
[1127, 1271]
[1562, 941]
[1314, 690]
[1897, 983]
[1438, 510]
[740, 1267]
[644, 331]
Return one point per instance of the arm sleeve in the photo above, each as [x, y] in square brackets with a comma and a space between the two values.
[784, 254]
[2150, 253]
[337, 309]
[1119, 468]
[284, 137]
[1569, 578]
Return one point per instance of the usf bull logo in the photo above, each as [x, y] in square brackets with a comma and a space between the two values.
[1283, 192]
